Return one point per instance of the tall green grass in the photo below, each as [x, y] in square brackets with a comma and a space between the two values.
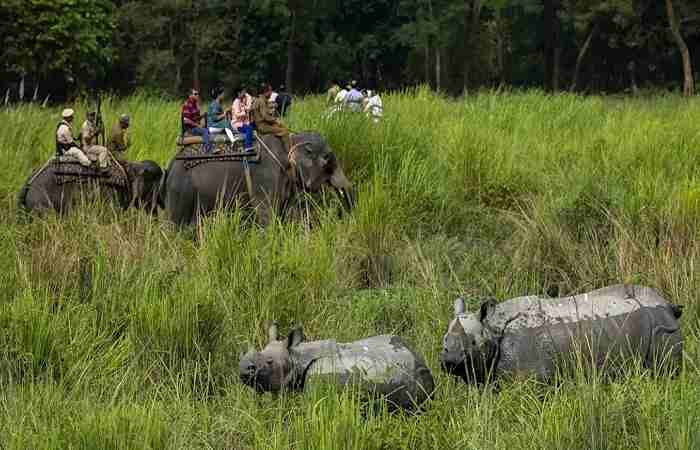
[117, 331]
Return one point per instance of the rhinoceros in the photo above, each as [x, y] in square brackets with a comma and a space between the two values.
[379, 366]
[532, 336]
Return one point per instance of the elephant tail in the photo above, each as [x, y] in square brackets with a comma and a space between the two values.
[162, 188]
[22, 197]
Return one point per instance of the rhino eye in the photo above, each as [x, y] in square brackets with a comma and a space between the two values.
[269, 361]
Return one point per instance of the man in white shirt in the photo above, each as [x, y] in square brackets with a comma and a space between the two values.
[373, 107]
[65, 144]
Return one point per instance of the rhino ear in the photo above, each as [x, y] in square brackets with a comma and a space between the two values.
[272, 333]
[296, 337]
[487, 307]
[459, 306]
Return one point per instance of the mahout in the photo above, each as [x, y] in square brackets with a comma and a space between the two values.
[379, 366]
[535, 337]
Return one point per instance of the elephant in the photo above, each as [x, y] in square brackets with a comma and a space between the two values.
[138, 185]
[380, 366]
[532, 337]
[275, 178]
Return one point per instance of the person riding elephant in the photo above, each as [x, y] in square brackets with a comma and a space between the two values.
[65, 143]
[88, 138]
[216, 116]
[119, 139]
[265, 121]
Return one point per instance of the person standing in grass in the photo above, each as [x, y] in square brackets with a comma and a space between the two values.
[265, 121]
[65, 144]
[216, 116]
[373, 107]
[119, 137]
[332, 92]
[191, 118]
[241, 116]
[354, 98]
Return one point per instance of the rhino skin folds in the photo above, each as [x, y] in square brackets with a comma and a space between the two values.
[532, 336]
[379, 366]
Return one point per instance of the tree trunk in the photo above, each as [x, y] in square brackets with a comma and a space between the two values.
[195, 36]
[556, 49]
[426, 68]
[548, 14]
[688, 82]
[581, 55]
[438, 67]
[472, 17]
[291, 43]
[500, 58]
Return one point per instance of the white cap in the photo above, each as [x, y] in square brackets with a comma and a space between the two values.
[67, 113]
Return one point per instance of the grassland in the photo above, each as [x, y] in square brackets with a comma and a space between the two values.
[117, 331]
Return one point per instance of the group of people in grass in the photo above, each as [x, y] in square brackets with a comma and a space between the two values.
[352, 98]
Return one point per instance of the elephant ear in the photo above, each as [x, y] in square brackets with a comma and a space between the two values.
[488, 306]
[459, 306]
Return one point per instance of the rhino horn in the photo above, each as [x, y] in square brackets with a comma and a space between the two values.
[459, 306]
[272, 332]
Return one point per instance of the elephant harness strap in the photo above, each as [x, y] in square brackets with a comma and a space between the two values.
[290, 168]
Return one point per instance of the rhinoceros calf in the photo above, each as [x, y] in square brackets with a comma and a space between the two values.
[529, 336]
[379, 365]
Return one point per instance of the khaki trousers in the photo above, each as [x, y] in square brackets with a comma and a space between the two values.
[98, 153]
[78, 154]
[276, 130]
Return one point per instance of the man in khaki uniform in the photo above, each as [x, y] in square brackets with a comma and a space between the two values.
[265, 121]
[119, 139]
[88, 138]
[65, 144]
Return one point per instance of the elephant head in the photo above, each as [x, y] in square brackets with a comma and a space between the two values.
[273, 368]
[315, 164]
[145, 178]
[469, 348]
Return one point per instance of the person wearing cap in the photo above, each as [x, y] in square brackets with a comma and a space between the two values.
[191, 118]
[88, 138]
[119, 138]
[65, 144]
[216, 116]
[265, 121]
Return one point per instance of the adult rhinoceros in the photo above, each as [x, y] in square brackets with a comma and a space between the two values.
[275, 178]
[59, 185]
[383, 366]
[530, 336]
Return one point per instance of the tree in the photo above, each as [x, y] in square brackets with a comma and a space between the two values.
[66, 42]
[688, 83]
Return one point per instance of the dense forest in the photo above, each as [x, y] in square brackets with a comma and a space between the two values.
[66, 47]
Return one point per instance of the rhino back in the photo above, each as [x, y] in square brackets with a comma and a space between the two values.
[382, 365]
[605, 327]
